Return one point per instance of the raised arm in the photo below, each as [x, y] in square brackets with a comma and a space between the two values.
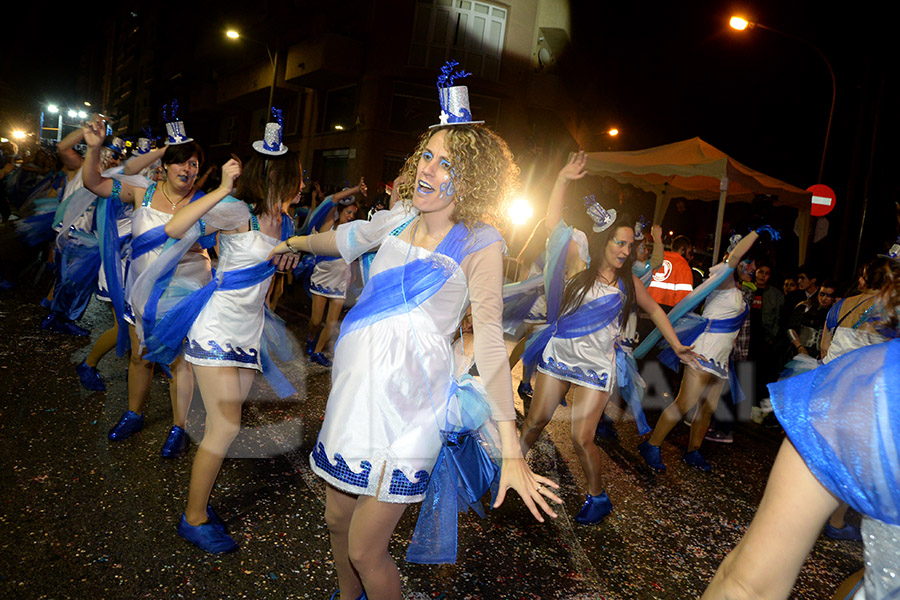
[359, 188]
[136, 164]
[737, 255]
[659, 249]
[66, 150]
[94, 132]
[484, 273]
[185, 218]
[574, 169]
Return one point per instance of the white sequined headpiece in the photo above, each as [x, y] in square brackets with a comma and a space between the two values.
[601, 217]
[454, 99]
[271, 142]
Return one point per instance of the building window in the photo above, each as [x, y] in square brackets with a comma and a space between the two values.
[464, 30]
[340, 109]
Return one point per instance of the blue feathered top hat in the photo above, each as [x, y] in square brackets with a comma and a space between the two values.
[455, 108]
[174, 128]
[271, 142]
[601, 217]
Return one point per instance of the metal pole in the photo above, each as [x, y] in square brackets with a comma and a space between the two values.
[833, 90]
[720, 217]
[274, 60]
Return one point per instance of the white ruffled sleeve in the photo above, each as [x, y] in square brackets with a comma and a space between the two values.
[230, 213]
[117, 173]
[358, 237]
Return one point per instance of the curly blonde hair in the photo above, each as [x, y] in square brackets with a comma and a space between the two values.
[485, 174]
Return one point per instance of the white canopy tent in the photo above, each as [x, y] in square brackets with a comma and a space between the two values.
[694, 169]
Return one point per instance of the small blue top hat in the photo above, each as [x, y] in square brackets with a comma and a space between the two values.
[117, 145]
[174, 128]
[639, 228]
[601, 217]
[144, 143]
[455, 108]
[271, 142]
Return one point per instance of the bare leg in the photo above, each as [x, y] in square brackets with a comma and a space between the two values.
[519, 348]
[181, 390]
[838, 517]
[104, 343]
[276, 289]
[339, 509]
[224, 390]
[704, 412]
[140, 375]
[371, 528]
[334, 312]
[692, 386]
[548, 393]
[315, 316]
[587, 408]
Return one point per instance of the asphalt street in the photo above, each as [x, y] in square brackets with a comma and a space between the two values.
[82, 517]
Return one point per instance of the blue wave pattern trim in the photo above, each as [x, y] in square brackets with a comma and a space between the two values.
[401, 486]
[216, 352]
[563, 370]
[712, 365]
[325, 291]
[340, 470]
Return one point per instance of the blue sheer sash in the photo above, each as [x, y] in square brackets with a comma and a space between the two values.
[111, 251]
[382, 297]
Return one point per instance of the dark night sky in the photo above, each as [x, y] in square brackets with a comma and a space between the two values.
[660, 71]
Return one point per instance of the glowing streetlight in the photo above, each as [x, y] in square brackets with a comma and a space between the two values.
[520, 211]
[82, 114]
[339, 127]
[613, 132]
[72, 114]
[232, 34]
[19, 134]
[52, 108]
[739, 23]
[273, 60]
[86, 103]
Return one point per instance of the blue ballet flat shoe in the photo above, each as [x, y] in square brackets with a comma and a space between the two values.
[320, 358]
[694, 459]
[652, 456]
[176, 444]
[214, 518]
[310, 347]
[606, 429]
[847, 532]
[90, 378]
[209, 537]
[525, 391]
[594, 510]
[128, 425]
[58, 325]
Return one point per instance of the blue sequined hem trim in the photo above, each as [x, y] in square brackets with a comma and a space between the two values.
[711, 366]
[340, 470]
[590, 378]
[536, 318]
[216, 352]
[321, 290]
[401, 486]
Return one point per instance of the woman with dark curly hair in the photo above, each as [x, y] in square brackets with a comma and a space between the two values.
[394, 384]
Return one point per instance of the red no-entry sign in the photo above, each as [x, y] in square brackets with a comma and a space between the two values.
[822, 199]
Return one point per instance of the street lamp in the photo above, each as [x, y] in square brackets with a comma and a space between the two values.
[273, 60]
[52, 108]
[741, 24]
[18, 134]
[613, 132]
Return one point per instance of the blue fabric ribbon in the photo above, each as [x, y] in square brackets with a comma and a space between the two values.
[631, 387]
[111, 248]
[147, 241]
[418, 279]
[79, 265]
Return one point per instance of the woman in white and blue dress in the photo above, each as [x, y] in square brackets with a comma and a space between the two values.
[842, 427]
[712, 337]
[394, 387]
[221, 325]
[331, 276]
[585, 324]
[153, 206]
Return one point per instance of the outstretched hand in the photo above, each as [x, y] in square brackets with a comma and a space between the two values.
[656, 232]
[230, 172]
[362, 186]
[575, 168]
[534, 489]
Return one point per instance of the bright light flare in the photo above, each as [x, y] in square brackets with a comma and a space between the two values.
[72, 114]
[613, 132]
[739, 23]
[520, 211]
[52, 108]
[231, 33]
[339, 127]
[82, 114]
[19, 134]
[86, 103]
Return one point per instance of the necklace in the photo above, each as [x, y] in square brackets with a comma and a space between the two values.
[169, 200]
